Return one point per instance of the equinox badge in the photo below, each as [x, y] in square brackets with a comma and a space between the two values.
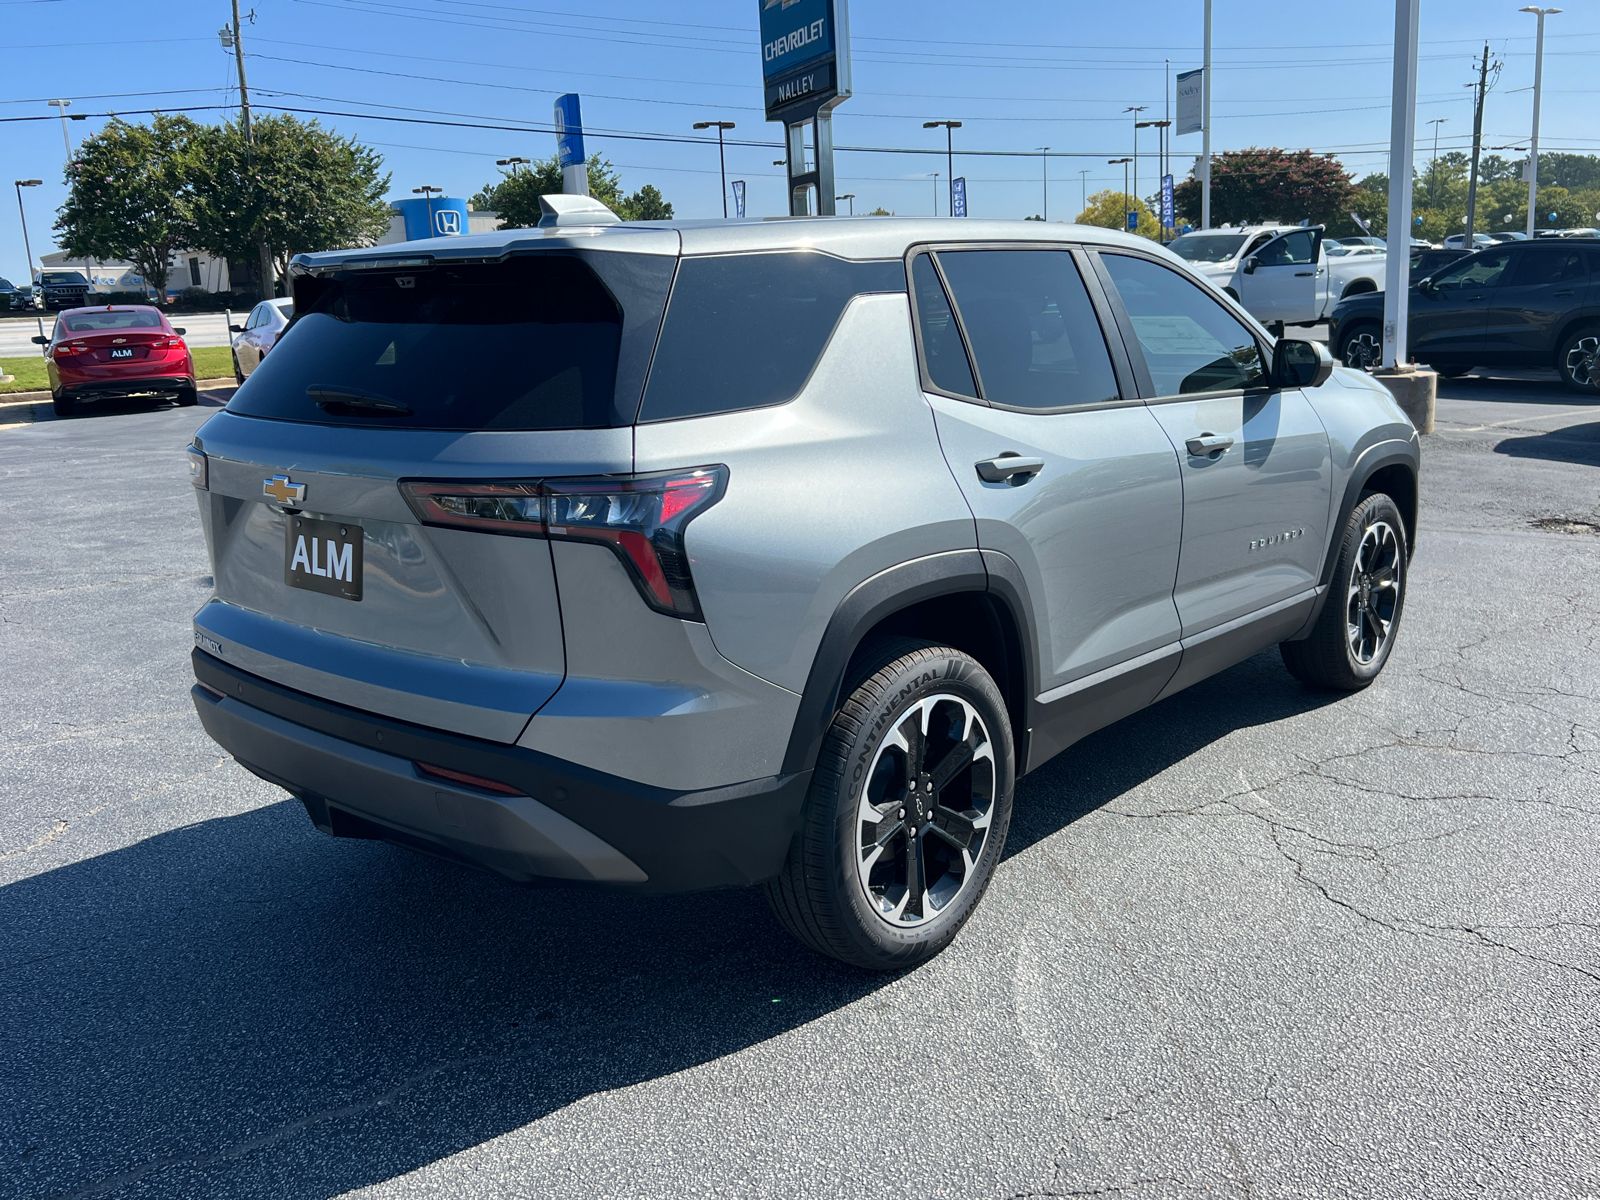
[283, 489]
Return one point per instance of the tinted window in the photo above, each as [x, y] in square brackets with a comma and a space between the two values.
[1534, 267]
[257, 315]
[745, 330]
[1032, 329]
[942, 351]
[528, 343]
[95, 322]
[1482, 270]
[1190, 342]
[1295, 249]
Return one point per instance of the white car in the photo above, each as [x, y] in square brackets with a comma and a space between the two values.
[1280, 273]
[1458, 241]
[258, 334]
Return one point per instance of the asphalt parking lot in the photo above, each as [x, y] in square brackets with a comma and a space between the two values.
[1255, 942]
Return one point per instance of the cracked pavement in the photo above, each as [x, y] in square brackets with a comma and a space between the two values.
[1255, 942]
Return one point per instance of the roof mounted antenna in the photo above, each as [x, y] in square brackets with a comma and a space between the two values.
[563, 211]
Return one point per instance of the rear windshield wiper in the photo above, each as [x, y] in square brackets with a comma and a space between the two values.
[338, 397]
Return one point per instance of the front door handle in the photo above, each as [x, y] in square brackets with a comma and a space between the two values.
[1008, 467]
[1304, 274]
[1208, 444]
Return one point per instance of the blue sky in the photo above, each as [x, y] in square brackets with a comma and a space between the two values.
[1020, 75]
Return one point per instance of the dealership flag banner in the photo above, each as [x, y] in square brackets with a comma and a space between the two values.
[1191, 100]
[738, 198]
[958, 196]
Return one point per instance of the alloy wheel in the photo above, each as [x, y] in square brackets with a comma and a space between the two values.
[1581, 360]
[1372, 600]
[923, 816]
[1363, 351]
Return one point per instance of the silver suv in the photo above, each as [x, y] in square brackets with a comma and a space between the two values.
[690, 555]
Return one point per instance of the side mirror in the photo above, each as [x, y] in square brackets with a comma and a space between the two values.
[1427, 286]
[1250, 265]
[235, 328]
[179, 330]
[39, 340]
[1298, 364]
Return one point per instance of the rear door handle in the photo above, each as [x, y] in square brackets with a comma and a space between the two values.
[1003, 467]
[1304, 274]
[1208, 444]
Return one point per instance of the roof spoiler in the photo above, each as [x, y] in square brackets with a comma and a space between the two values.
[562, 211]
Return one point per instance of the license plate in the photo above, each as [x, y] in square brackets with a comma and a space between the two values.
[125, 352]
[323, 556]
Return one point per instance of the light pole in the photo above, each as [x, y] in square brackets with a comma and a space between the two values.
[426, 191]
[513, 162]
[1538, 84]
[934, 175]
[1044, 179]
[27, 246]
[851, 197]
[949, 157]
[1125, 197]
[1135, 109]
[1161, 157]
[1433, 165]
[1083, 189]
[61, 107]
[722, 158]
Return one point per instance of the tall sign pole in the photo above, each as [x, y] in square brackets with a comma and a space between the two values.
[805, 70]
[1205, 128]
[1538, 86]
[1402, 148]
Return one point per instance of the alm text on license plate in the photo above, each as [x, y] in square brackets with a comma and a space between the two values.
[323, 556]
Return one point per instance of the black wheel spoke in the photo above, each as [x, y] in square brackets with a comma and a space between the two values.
[916, 874]
[955, 760]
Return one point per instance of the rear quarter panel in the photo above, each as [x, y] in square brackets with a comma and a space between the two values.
[823, 492]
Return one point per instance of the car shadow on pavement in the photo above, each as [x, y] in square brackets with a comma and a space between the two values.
[1526, 387]
[1575, 443]
[1117, 759]
[243, 1006]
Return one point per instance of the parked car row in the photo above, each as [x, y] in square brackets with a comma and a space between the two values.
[1281, 274]
[1522, 304]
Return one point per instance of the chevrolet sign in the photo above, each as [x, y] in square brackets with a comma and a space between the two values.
[804, 56]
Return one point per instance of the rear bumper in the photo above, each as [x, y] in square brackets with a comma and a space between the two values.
[357, 776]
[95, 389]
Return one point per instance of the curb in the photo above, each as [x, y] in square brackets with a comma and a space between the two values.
[42, 397]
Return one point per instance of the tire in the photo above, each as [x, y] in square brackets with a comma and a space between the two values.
[188, 397]
[1450, 372]
[1578, 357]
[1361, 346]
[64, 406]
[1369, 583]
[861, 811]
[238, 374]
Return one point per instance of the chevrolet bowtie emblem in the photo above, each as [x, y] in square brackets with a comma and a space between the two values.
[283, 489]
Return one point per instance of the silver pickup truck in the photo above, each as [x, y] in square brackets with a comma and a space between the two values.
[1280, 273]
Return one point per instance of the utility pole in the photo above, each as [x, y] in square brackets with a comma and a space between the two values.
[1083, 189]
[268, 280]
[1044, 179]
[1477, 145]
[1538, 85]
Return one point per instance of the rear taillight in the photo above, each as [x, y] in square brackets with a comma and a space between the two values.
[69, 350]
[641, 517]
[169, 343]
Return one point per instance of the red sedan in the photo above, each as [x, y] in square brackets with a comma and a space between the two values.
[116, 351]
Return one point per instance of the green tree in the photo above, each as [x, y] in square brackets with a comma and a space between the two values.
[880, 211]
[516, 196]
[1109, 210]
[1261, 185]
[298, 188]
[129, 197]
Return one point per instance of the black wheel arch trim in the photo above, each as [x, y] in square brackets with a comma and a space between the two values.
[892, 590]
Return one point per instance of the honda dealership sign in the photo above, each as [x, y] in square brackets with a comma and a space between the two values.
[805, 59]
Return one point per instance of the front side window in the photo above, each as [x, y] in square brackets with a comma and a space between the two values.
[1031, 326]
[1190, 342]
[1483, 270]
[1292, 250]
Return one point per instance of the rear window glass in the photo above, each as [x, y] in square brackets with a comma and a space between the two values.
[527, 343]
[745, 330]
[94, 322]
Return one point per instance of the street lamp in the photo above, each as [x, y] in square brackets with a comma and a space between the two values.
[949, 158]
[722, 160]
[1538, 84]
[934, 175]
[27, 246]
[1044, 179]
[1161, 133]
[850, 196]
[1433, 166]
[514, 162]
[1083, 189]
[1125, 197]
[61, 107]
[1135, 109]
[426, 191]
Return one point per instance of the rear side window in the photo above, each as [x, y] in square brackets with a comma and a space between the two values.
[1031, 326]
[942, 351]
[745, 330]
[1536, 267]
[531, 342]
